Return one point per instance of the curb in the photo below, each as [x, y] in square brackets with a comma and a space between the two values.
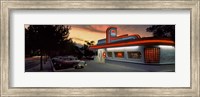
[52, 65]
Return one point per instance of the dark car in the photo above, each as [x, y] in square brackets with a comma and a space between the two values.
[67, 62]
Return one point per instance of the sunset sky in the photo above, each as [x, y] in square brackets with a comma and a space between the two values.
[81, 33]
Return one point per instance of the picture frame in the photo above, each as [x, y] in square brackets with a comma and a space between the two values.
[8, 5]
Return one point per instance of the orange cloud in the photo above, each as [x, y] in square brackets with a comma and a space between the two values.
[99, 28]
[80, 33]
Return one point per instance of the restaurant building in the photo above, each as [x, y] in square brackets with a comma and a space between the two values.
[134, 49]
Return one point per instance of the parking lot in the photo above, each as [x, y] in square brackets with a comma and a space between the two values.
[32, 65]
[93, 66]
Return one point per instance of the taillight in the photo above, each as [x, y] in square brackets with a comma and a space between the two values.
[152, 55]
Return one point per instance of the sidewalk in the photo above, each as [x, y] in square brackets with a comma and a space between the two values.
[47, 67]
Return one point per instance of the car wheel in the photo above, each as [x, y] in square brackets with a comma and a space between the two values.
[76, 67]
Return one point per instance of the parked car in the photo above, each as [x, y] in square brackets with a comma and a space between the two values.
[64, 62]
[56, 58]
[81, 64]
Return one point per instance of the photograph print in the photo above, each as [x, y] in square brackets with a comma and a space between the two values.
[99, 48]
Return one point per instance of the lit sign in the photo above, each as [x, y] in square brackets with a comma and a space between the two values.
[113, 32]
[104, 55]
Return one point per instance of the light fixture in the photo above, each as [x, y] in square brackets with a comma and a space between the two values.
[122, 48]
[166, 46]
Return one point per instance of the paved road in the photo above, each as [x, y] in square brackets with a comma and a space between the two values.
[114, 67]
[32, 62]
[32, 65]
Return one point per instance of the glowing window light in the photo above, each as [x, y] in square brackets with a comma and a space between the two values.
[152, 55]
[166, 46]
[122, 48]
[134, 43]
[119, 54]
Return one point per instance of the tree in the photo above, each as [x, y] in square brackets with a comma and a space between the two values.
[162, 31]
[45, 39]
[89, 43]
[87, 51]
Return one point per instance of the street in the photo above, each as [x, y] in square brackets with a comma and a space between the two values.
[33, 65]
[32, 62]
[93, 66]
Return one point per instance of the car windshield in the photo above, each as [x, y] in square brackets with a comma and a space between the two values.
[83, 62]
[65, 58]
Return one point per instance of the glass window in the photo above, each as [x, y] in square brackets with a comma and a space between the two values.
[119, 54]
[109, 54]
[152, 55]
[134, 55]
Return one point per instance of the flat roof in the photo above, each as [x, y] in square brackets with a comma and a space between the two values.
[141, 41]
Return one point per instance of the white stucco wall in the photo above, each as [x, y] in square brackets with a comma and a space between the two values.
[167, 54]
[99, 57]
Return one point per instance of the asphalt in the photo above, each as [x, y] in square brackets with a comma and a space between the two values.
[34, 66]
[92, 66]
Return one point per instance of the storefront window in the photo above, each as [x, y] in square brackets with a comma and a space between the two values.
[119, 54]
[152, 55]
[134, 55]
[109, 54]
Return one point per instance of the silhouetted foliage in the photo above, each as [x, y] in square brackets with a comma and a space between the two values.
[89, 43]
[87, 52]
[46, 39]
[162, 31]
